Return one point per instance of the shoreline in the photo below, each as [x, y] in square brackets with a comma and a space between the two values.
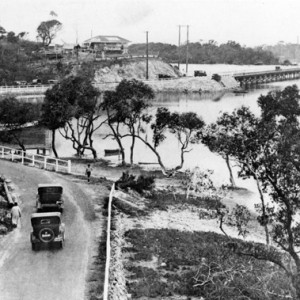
[182, 85]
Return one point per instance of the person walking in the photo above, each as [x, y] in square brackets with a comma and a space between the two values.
[15, 215]
[88, 172]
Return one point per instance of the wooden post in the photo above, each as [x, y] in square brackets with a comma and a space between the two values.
[33, 160]
[56, 165]
[69, 166]
[45, 162]
[2, 152]
[22, 155]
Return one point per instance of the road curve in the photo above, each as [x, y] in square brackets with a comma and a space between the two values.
[52, 274]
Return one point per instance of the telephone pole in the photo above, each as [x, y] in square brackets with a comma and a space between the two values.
[179, 27]
[147, 56]
[187, 49]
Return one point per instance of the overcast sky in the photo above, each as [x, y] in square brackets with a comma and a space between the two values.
[248, 22]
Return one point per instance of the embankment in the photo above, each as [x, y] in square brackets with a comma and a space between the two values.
[108, 78]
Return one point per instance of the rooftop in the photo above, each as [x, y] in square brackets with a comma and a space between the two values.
[107, 39]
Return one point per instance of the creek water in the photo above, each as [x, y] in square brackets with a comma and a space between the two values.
[209, 107]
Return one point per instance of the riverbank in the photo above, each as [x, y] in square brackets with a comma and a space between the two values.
[108, 78]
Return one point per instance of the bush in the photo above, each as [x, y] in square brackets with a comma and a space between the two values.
[216, 77]
[129, 181]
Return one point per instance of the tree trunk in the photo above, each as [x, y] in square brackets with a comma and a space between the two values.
[230, 172]
[155, 152]
[53, 143]
[131, 150]
[119, 143]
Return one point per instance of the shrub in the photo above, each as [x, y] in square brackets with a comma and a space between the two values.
[216, 77]
[129, 181]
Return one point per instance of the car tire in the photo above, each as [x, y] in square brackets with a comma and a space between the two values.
[46, 235]
[33, 246]
[61, 244]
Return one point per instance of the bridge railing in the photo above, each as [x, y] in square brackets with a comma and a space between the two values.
[35, 160]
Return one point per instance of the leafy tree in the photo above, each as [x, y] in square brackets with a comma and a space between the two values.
[14, 115]
[128, 102]
[73, 105]
[47, 31]
[270, 153]
[2, 32]
[113, 120]
[56, 111]
[185, 126]
[209, 53]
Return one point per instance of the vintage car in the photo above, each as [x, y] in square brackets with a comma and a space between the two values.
[49, 197]
[47, 229]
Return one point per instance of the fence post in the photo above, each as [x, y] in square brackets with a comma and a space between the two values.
[45, 162]
[2, 152]
[69, 166]
[33, 158]
[12, 154]
[56, 165]
[22, 153]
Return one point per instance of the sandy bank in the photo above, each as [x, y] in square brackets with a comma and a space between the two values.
[108, 78]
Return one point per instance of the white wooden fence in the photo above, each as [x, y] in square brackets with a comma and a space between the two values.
[35, 160]
[34, 89]
[108, 250]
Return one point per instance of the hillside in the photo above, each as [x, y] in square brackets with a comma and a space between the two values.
[135, 68]
[107, 77]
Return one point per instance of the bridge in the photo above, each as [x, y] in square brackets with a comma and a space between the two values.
[278, 74]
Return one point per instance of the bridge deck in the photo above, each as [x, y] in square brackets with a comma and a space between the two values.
[272, 72]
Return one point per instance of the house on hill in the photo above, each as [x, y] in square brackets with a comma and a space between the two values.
[107, 45]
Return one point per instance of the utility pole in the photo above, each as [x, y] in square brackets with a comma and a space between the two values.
[187, 49]
[147, 55]
[179, 47]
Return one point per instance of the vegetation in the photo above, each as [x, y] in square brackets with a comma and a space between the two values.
[126, 106]
[13, 116]
[47, 31]
[209, 53]
[198, 264]
[73, 106]
[140, 184]
[267, 150]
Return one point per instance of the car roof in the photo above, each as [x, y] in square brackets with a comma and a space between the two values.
[41, 185]
[45, 215]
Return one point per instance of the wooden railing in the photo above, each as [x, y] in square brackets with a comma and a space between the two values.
[35, 160]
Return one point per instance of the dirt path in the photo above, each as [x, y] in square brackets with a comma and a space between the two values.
[49, 273]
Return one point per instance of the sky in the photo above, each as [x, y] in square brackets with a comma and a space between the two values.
[248, 22]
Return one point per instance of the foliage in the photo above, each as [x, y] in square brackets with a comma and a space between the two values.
[209, 53]
[162, 200]
[13, 116]
[267, 149]
[198, 264]
[126, 105]
[216, 77]
[72, 105]
[47, 31]
[140, 184]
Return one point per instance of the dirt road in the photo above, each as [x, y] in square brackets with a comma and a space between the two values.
[52, 274]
